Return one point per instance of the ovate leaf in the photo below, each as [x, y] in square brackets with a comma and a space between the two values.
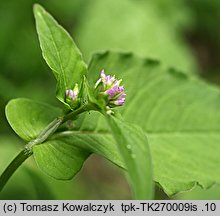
[180, 115]
[59, 159]
[59, 51]
[133, 146]
[63, 155]
[28, 117]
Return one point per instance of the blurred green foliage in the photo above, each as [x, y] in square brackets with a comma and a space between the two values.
[142, 27]
[172, 31]
[204, 35]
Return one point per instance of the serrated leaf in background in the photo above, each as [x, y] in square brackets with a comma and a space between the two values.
[181, 116]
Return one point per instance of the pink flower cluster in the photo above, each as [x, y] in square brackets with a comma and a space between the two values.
[111, 87]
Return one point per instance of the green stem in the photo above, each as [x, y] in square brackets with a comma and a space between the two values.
[52, 127]
[48, 131]
[43, 136]
[74, 114]
[12, 167]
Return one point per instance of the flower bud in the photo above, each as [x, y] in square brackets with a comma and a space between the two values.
[72, 96]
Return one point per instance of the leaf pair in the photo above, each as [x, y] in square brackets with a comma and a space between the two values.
[63, 154]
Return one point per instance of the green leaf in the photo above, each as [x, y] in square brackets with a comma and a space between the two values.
[197, 193]
[63, 155]
[180, 115]
[59, 51]
[133, 146]
[59, 159]
[28, 117]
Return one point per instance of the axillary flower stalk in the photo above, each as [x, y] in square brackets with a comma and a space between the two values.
[111, 89]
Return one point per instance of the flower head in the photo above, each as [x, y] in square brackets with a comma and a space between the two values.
[110, 86]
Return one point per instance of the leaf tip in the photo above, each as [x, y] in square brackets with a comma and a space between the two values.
[37, 9]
